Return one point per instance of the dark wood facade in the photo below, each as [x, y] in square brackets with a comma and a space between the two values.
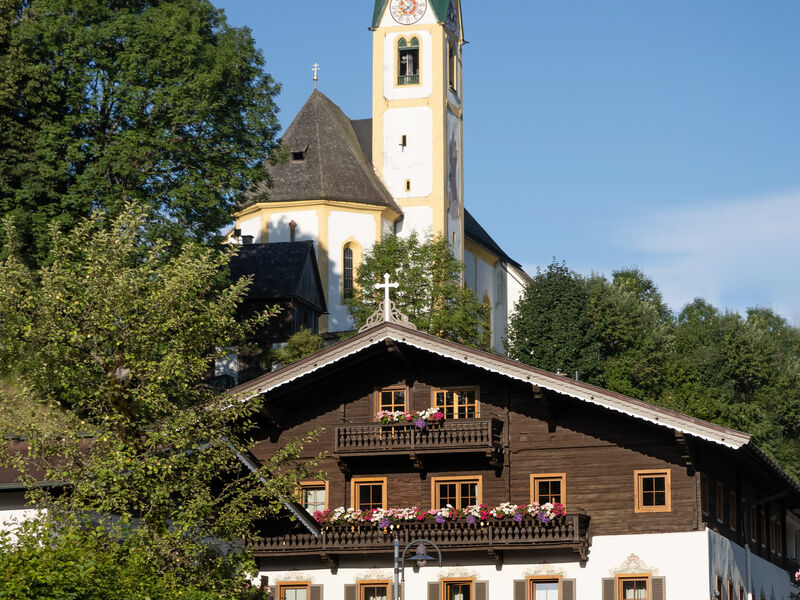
[521, 430]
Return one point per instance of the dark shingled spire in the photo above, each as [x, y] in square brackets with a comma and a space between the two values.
[326, 161]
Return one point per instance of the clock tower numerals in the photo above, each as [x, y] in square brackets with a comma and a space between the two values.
[407, 12]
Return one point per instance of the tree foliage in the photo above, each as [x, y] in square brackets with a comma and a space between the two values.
[299, 345]
[430, 292]
[104, 102]
[741, 372]
[117, 333]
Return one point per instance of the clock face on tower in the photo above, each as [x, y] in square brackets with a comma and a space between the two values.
[407, 12]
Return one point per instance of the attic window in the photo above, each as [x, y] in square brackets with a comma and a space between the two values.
[299, 156]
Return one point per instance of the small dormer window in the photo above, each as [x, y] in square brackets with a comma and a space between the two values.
[408, 61]
[299, 156]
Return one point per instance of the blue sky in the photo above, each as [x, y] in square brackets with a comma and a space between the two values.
[664, 135]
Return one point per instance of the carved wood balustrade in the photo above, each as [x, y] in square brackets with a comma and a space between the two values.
[494, 536]
[455, 435]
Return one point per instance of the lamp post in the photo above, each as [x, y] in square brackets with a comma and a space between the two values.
[400, 560]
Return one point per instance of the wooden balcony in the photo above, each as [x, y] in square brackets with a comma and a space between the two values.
[482, 436]
[494, 537]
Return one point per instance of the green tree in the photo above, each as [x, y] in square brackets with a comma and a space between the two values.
[104, 102]
[430, 294]
[301, 344]
[551, 327]
[117, 334]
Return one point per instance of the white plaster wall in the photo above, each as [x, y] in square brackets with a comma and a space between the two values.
[729, 561]
[387, 227]
[13, 510]
[414, 161]
[470, 270]
[416, 218]
[341, 227]
[404, 92]
[307, 226]
[516, 279]
[680, 557]
[252, 227]
[500, 309]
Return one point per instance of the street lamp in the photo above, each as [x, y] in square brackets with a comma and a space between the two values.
[421, 557]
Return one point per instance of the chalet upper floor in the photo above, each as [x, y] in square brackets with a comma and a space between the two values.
[408, 420]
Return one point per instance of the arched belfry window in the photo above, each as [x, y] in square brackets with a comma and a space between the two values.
[347, 273]
[408, 61]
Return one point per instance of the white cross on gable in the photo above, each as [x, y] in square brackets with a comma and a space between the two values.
[386, 303]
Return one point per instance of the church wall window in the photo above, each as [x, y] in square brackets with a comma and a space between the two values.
[351, 260]
[408, 61]
[347, 273]
[452, 66]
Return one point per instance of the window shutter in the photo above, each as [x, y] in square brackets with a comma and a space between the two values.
[433, 590]
[350, 591]
[273, 592]
[659, 591]
[568, 589]
[316, 592]
[520, 593]
[609, 593]
[481, 590]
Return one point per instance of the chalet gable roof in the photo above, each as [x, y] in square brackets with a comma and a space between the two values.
[494, 363]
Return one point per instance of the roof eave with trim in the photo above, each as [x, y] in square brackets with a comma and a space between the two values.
[729, 438]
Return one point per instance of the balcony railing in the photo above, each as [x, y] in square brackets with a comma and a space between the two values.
[569, 533]
[456, 435]
[407, 79]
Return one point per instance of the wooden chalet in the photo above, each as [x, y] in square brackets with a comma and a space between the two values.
[659, 505]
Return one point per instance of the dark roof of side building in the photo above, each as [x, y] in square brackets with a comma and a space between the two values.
[479, 235]
[280, 270]
[333, 166]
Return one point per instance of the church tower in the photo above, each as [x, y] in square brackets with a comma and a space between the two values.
[417, 113]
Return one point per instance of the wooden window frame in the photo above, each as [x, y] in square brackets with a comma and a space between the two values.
[287, 585]
[619, 579]
[638, 504]
[459, 388]
[718, 586]
[730, 589]
[719, 503]
[540, 476]
[360, 585]
[315, 483]
[445, 580]
[742, 595]
[773, 529]
[732, 511]
[435, 481]
[753, 523]
[533, 579]
[762, 514]
[704, 501]
[391, 388]
[355, 482]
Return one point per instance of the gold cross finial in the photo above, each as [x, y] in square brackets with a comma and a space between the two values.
[315, 68]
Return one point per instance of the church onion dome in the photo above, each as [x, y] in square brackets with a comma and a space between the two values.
[326, 160]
